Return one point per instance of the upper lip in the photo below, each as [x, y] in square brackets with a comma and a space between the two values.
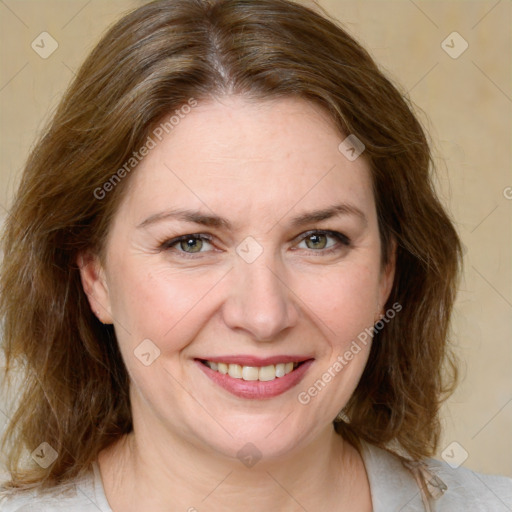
[256, 361]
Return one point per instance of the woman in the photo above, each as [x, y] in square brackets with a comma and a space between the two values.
[228, 279]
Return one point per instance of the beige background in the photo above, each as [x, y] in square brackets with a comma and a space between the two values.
[466, 104]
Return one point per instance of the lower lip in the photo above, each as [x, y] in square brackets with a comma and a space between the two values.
[255, 389]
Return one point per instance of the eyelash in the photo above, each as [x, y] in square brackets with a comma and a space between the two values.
[340, 238]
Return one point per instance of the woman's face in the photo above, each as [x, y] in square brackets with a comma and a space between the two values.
[248, 240]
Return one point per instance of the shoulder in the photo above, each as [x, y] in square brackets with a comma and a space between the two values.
[82, 495]
[48, 501]
[396, 486]
[476, 491]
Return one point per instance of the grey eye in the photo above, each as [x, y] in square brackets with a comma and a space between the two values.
[191, 244]
[316, 241]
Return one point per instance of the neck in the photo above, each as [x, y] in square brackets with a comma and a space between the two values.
[140, 472]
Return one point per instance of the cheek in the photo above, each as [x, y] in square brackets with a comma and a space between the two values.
[152, 301]
[344, 305]
[344, 300]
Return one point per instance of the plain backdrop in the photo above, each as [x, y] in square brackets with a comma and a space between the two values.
[464, 99]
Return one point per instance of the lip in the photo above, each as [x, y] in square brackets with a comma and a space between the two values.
[256, 390]
[256, 361]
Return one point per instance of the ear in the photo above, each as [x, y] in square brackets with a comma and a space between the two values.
[95, 286]
[387, 278]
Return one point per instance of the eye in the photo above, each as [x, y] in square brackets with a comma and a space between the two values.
[323, 241]
[189, 244]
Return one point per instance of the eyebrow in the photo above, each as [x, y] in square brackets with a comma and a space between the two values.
[328, 213]
[198, 217]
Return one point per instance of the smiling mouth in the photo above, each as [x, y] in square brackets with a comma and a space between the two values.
[253, 373]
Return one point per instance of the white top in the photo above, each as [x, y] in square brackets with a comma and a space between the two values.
[393, 487]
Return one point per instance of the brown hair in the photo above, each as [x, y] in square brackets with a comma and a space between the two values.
[75, 385]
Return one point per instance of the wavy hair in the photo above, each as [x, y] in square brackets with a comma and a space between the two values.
[150, 63]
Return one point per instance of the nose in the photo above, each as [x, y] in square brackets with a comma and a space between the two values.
[260, 301]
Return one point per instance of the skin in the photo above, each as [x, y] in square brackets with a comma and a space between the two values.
[258, 165]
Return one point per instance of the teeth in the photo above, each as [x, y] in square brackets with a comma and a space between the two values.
[252, 373]
[267, 373]
[235, 371]
[249, 373]
[280, 370]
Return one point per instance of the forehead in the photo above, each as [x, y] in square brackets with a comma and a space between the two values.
[240, 155]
